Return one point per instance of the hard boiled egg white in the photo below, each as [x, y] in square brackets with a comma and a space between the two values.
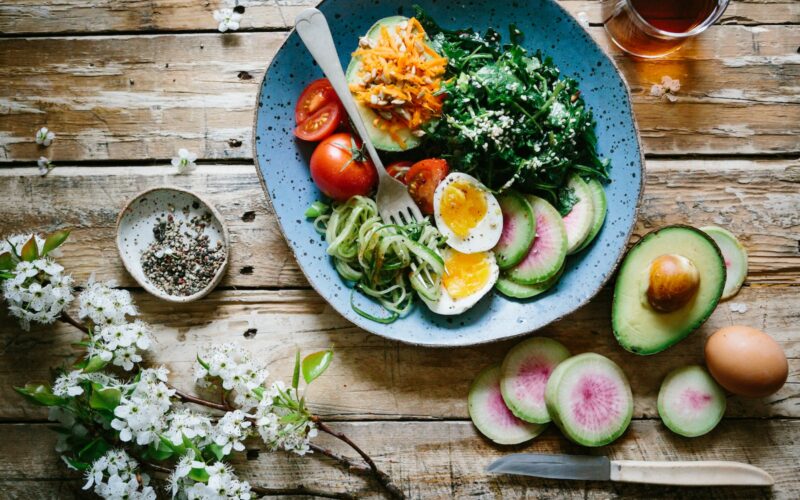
[467, 214]
[466, 279]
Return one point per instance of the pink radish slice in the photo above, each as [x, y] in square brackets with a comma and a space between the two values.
[549, 249]
[690, 402]
[491, 415]
[589, 399]
[524, 374]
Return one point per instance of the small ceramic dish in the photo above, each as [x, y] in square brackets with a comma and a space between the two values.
[135, 233]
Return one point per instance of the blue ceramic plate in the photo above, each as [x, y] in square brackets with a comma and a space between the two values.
[283, 164]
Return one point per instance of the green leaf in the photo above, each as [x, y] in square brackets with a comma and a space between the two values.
[94, 364]
[159, 451]
[4, 275]
[202, 363]
[259, 392]
[199, 475]
[30, 251]
[189, 445]
[94, 450]
[315, 364]
[54, 241]
[177, 449]
[40, 394]
[6, 261]
[216, 451]
[104, 398]
[296, 375]
[76, 464]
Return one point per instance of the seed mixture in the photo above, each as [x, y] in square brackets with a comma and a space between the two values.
[182, 261]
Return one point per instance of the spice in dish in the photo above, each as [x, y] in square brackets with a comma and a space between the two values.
[182, 261]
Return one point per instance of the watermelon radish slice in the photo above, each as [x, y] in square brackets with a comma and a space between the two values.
[690, 402]
[519, 228]
[580, 219]
[491, 415]
[589, 399]
[549, 248]
[511, 288]
[600, 209]
[524, 374]
[735, 257]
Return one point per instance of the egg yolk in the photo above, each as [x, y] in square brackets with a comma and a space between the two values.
[462, 207]
[465, 273]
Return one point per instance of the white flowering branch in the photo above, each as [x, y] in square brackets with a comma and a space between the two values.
[116, 416]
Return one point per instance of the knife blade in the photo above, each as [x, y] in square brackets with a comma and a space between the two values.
[678, 473]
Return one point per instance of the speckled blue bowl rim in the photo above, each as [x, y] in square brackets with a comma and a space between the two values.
[374, 327]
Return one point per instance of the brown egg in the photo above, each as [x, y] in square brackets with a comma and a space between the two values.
[674, 280]
[746, 361]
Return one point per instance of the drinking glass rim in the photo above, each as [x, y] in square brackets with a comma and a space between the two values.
[722, 5]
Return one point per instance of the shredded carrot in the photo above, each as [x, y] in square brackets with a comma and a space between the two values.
[399, 76]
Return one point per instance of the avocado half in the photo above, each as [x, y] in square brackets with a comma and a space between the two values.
[640, 328]
[380, 139]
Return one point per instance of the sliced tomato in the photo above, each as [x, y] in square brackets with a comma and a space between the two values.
[317, 94]
[321, 124]
[398, 170]
[422, 179]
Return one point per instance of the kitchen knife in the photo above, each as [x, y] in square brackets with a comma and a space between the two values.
[680, 473]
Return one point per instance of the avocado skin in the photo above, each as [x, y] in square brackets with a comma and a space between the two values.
[693, 322]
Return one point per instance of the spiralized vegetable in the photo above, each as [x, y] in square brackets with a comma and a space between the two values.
[382, 259]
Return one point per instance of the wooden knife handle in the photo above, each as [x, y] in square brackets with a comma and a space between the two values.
[706, 473]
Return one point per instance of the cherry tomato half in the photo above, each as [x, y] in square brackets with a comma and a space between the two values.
[422, 179]
[321, 124]
[314, 96]
[398, 170]
[340, 168]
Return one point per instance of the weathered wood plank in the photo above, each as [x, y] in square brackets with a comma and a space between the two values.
[81, 16]
[375, 378]
[435, 460]
[143, 97]
[755, 199]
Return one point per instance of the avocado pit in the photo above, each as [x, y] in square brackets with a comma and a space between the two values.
[673, 282]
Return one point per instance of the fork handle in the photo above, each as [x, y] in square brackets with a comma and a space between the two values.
[313, 29]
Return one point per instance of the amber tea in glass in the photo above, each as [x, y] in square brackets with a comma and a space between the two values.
[653, 28]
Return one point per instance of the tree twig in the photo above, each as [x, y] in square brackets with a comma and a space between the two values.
[382, 477]
[343, 461]
[66, 318]
[190, 398]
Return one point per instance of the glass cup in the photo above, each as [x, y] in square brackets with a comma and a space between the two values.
[654, 28]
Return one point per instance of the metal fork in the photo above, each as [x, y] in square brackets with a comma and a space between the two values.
[395, 205]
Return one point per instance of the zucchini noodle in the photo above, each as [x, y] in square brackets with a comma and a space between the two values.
[383, 260]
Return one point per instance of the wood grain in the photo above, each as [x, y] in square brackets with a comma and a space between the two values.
[442, 460]
[755, 199]
[375, 378]
[142, 97]
[93, 16]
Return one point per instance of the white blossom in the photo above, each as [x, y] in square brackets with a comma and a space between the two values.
[68, 384]
[37, 292]
[44, 137]
[105, 305]
[119, 343]
[233, 367]
[738, 307]
[187, 423]
[115, 475]
[231, 431]
[185, 161]
[666, 89]
[141, 414]
[227, 19]
[293, 437]
[669, 84]
[45, 165]
[221, 484]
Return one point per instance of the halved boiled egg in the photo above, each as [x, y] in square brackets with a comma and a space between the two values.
[467, 214]
[467, 277]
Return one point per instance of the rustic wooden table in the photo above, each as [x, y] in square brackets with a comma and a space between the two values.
[125, 84]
